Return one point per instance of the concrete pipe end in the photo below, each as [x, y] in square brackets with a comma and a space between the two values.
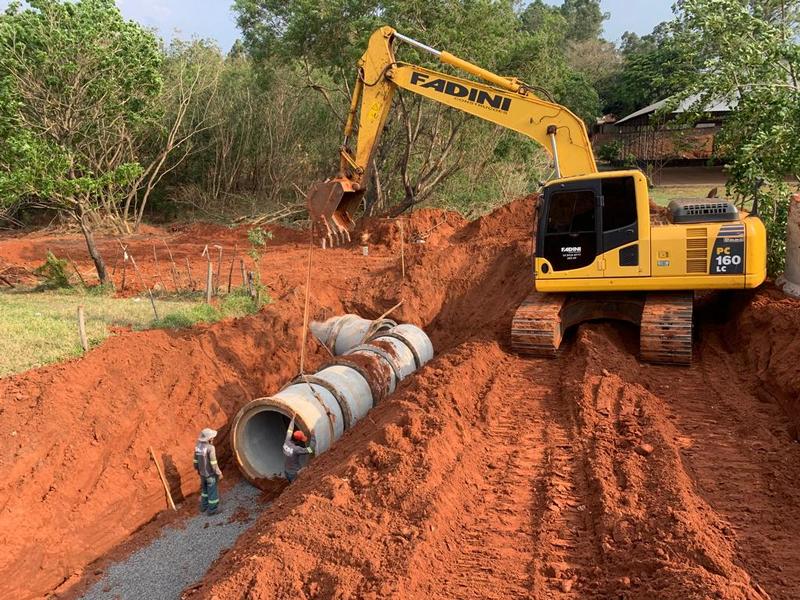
[257, 437]
[789, 288]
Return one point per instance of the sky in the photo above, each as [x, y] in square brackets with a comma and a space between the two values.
[213, 18]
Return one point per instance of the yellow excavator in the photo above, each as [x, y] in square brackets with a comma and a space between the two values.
[600, 251]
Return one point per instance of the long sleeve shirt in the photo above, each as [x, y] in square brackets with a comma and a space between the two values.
[205, 460]
[293, 452]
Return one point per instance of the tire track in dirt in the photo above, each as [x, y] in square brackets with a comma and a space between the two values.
[487, 550]
[566, 542]
[740, 456]
[522, 528]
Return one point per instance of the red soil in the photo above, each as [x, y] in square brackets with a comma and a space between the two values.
[485, 476]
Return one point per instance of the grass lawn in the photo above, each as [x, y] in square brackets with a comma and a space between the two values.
[662, 195]
[39, 328]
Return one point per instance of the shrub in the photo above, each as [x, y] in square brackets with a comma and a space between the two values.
[54, 273]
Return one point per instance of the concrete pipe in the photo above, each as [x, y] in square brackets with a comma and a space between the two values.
[328, 402]
[393, 352]
[415, 339]
[331, 401]
[790, 281]
[344, 333]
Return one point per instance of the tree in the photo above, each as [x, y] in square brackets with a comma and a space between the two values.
[77, 82]
[584, 19]
[653, 68]
[749, 54]
[422, 144]
[191, 71]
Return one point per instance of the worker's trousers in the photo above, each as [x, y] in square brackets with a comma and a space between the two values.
[209, 494]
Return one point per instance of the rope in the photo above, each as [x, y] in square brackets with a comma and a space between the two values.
[305, 310]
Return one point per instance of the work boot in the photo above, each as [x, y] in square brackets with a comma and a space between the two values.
[213, 512]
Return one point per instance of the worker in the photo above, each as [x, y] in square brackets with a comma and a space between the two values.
[294, 446]
[205, 463]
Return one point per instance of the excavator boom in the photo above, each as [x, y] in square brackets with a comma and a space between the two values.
[505, 101]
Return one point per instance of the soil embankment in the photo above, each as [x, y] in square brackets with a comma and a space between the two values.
[487, 475]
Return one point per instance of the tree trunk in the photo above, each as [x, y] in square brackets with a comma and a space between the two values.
[99, 263]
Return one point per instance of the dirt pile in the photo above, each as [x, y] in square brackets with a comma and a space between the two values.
[485, 476]
[465, 286]
[765, 336]
[491, 476]
[77, 475]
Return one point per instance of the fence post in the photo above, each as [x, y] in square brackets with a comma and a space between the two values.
[82, 329]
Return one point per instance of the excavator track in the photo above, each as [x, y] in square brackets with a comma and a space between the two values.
[666, 329]
[665, 322]
[537, 328]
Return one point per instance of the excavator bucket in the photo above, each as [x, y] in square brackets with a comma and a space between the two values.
[331, 205]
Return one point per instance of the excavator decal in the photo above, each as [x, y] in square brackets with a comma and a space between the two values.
[727, 256]
[457, 90]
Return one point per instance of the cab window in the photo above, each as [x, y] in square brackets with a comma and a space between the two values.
[571, 212]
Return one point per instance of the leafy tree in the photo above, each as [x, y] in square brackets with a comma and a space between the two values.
[749, 54]
[77, 82]
[423, 143]
[584, 19]
[577, 20]
[653, 68]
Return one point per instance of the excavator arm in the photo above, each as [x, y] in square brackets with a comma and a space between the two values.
[505, 101]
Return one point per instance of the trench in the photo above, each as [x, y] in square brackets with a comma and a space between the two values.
[381, 484]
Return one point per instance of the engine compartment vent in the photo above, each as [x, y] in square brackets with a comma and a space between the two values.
[697, 250]
[702, 210]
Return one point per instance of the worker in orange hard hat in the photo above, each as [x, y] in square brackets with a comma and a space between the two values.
[294, 447]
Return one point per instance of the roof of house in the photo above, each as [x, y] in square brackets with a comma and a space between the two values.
[717, 106]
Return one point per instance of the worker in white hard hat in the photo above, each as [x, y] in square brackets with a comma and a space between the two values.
[205, 463]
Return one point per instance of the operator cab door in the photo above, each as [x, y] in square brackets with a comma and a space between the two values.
[570, 235]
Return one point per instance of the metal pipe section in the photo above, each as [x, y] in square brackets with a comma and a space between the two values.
[333, 399]
[790, 281]
[417, 44]
[551, 131]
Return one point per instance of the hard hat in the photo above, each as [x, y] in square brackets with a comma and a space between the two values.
[207, 434]
[299, 436]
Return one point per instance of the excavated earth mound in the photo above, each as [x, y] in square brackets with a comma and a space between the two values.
[486, 475]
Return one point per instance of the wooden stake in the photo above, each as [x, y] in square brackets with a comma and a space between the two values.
[305, 309]
[244, 274]
[174, 266]
[230, 271]
[402, 251]
[82, 329]
[158, 269]
[209, 282]
[189, 275]
[149, 291]
[390, 311]
[124, 267]
[163, 479]
[219, 270]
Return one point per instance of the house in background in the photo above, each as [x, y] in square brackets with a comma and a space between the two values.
[648, 137]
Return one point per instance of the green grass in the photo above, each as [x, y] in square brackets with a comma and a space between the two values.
[39, 328]
[662, 195]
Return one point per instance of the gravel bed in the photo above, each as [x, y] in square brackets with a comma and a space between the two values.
[181, 556]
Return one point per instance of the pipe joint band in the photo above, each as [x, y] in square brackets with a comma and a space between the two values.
[343, 405]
